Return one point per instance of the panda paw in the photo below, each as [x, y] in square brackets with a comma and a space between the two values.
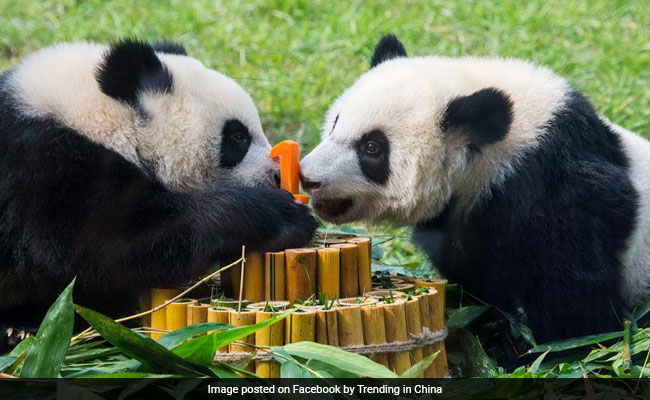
[13, 335]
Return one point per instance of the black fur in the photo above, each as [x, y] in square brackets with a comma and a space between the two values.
[549, 239]
[484, 116]
[169, 47]
[131, 67]
[70, 207]
[387, 48]
[375, 167]
[235, 141]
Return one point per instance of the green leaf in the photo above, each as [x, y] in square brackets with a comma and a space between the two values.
[292, 370]
[200, 350]
[180, 335]
[45, 357]
[561, 345]
[477, 363]
[18, 353]
[418, 369]
[350, 362]
[641, 310]
[143, 349]
[525, 331]
[6, 362]
[463, 316]
[534, 367]
[133, 375]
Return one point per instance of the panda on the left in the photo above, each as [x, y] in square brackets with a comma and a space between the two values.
[129, 166]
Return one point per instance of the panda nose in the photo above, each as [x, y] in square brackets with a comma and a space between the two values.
[309, 185]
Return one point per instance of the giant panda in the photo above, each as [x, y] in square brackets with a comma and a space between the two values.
[516, 188]
[128, 166]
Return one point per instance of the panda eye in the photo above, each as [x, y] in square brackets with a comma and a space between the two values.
[238, 137]
[372, 148]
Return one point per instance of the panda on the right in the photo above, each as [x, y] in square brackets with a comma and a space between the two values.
[516, 187]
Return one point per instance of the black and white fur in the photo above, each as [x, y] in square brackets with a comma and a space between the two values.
[516, 187]
[129, 166]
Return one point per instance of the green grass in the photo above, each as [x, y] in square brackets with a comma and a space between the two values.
[296, 57]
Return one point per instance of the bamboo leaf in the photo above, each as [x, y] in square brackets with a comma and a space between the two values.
[143, 349]
[172, 339]
[6, 362]
[350, 362]
[561, 345]
[463, 316]
[45, 357]
[418, 369]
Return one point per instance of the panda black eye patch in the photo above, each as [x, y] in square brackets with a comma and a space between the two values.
[235, 141]
[373, 153]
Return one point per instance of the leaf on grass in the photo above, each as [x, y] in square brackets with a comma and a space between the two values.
[45, 357]
[350, 362]
[143, 349]
[562, 345]
[418, 369]
[463, 316]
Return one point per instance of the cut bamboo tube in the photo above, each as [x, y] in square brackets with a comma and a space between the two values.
[277, 305]
[438, 368]
[414, 326]
[145, 305]
[364, 246]
[327, 331]
[329, 264]
[270, 336]
[374, 330]
[395, 319]
[176, 315]
[300, 274]
[240, 319]
[230, 303]
[349, 269]
[274, 276]
[425, 320]
[198, 312]
[350, 326]
[188, 312]
[234, 279]
[219, 314]
[159, 318]
[300, 326]
[254, 277]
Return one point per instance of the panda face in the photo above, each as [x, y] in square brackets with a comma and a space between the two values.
[164, 111]
[411, 133]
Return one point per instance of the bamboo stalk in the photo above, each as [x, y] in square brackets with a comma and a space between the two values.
[395, 319]
[274, 277]
[349, 269]
[300, 274]
[176, 315]
[198, 312]
[188, 312]
[374, 330]
[438, 368]
[327, 331]
[270, 336]
[254, 277]
[329, 264]
[350, 326]
[240, 319]
[425, 320]
[414, 326]
[221, 315]
[300, 326]
[364, 245]
[159, 318]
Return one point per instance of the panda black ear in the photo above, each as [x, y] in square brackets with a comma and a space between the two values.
[169, 47]
[485, 116]
[387, 48]
[131, 67]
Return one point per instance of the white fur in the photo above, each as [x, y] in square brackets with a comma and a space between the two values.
[181, 137]
[406, 98]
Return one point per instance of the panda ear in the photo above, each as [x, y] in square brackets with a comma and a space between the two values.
[169, 47]
[485, 116]
[131, 67]
[387, 48]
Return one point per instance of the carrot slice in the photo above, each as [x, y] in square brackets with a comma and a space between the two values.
[288, 152]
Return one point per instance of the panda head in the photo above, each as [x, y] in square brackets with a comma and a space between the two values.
[159, 108]
[411, 133]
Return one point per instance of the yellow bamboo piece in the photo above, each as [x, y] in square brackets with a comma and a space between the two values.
[159, 318]
[329, 263]
[145, 305]
[219, 314]
[274, 276]
[414, 326]
[233, 275]
[240, 319]
[270, 336]
[254, 277]
[374, 331]
[300, 274]
[364, 246]
[395, 319]
[199, 313]
[327, 331]
[349, 269]
[425, 319]
[350, 326]
[188, 312]
[300, 326]
[176, 315]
